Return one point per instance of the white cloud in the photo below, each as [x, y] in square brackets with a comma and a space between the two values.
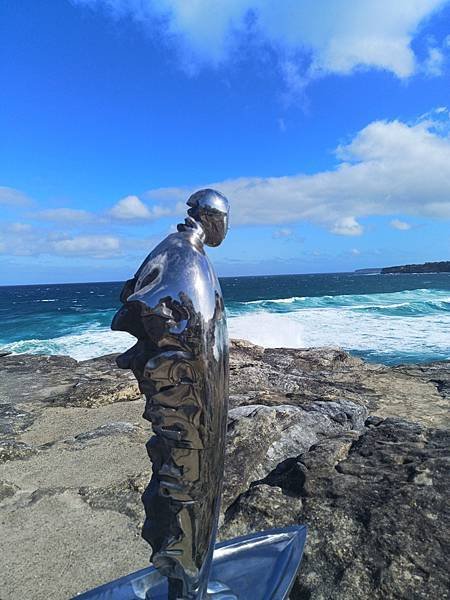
[355, 252]
[20, 239]
[100, 246]
[388, 168]
[434, 63]
[65, 214]
[347, 226]
[337, 38]
[400, 225]
[284, 232]
[132, 208]
[12, 197]
[19, 227]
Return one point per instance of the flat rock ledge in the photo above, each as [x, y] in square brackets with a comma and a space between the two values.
[358, 452]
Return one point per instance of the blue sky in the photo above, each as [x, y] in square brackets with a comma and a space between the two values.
[328, 129]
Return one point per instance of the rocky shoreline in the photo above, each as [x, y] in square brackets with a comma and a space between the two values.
[359, 452]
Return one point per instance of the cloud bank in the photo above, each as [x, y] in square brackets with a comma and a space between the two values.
[309, 39]
[388, 168]
[20, 239]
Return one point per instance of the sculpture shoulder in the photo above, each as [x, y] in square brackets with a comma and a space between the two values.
[158, 256]
[177, 269]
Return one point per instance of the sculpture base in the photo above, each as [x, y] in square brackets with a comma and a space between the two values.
[260, 566]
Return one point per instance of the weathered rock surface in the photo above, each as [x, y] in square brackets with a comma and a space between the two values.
[269, 376]
[62, 381]
[261, 437]
[358, 452]
[377, 510]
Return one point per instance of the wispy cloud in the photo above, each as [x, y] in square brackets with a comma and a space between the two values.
[70, 215]
[19, 227]
[12, 197]
[308, 40]
[21, 239]
[24, 239]
[129, 209]
[400, 225]
[282, 125]
[99, 246]
[283, 233]
[434, 63]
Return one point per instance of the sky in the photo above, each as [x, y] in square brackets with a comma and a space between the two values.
[326, 124]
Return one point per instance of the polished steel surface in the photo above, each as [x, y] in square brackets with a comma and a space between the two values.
[260, 566]
[174, 307]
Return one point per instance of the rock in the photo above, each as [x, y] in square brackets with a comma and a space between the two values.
[261, 507]
[274, 376]
[309, 441]
[7, 489]
[437, 373]
[119, 428]
[261, 437]
[62, 381]
[12, 420]
[123, 497]
[13, 450]
[55, 546]
[376, 507]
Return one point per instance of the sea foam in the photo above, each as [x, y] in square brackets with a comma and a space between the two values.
[81, 346]
[390, 327]
[406, 326]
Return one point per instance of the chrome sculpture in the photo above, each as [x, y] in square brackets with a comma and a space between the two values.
[174, 307]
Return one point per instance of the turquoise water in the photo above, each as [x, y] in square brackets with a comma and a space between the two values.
[382, 318]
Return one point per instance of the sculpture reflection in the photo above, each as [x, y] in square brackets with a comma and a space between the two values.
[174, 307]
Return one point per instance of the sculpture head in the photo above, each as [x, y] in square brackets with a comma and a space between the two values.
[210, 209]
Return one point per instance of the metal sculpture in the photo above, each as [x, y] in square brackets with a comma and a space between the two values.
[174, 307]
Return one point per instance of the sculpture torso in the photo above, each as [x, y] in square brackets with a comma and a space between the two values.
[174, 307]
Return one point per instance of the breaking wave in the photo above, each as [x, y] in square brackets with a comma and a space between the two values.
[395, 327]
[388, 327]
[81, 345]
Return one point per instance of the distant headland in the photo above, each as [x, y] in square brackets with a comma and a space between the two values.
[428, 267]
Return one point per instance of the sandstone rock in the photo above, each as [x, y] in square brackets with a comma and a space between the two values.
[261, 507]
[376, 507]
[309, 442]
[7, 489]
[62, 381]
[261, 437]
[285, 376]
[55, 545]
[11, 450]
[12, 420]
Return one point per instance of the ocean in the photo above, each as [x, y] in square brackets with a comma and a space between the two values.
[390, 319]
